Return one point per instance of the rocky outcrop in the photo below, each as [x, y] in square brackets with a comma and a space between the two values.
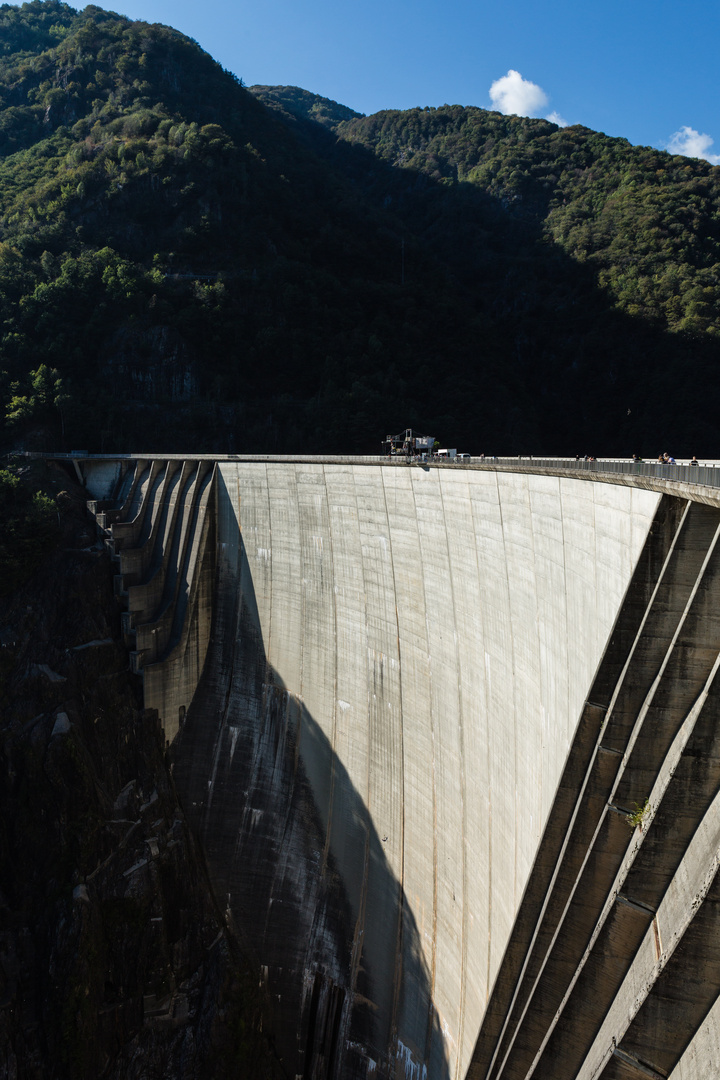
[151, 364]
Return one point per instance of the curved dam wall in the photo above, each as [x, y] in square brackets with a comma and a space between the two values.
[398, 667]
[450, 739]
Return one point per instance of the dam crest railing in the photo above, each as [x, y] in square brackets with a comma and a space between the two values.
[699, 482]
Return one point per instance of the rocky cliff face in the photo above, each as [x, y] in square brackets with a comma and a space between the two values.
[154, 364]
[114, 961]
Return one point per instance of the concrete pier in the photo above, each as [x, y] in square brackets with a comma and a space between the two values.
[411, 711]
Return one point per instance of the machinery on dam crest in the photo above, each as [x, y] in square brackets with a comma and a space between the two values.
[448, 737]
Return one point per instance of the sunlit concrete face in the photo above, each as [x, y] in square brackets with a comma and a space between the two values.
[399, 660]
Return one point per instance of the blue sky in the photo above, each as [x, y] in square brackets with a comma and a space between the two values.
[645, 71]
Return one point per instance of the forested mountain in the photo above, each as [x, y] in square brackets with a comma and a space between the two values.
[646, 222]
[186, 265]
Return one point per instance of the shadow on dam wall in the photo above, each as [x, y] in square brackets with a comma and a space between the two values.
[272, 804]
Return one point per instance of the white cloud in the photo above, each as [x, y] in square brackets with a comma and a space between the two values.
[514, 95]
[691, 143]
[555, 118]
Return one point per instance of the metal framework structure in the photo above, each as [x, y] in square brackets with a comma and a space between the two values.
[408, 442]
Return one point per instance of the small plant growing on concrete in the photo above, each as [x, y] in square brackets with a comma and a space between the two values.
[637, 817]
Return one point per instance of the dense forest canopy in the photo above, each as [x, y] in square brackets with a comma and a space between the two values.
[189, 265]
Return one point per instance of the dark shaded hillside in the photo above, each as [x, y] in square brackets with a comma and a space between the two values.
[186, 265]
[556, 235]
[647, 223]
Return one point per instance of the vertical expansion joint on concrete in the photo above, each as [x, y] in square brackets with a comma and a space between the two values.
[357, 941]
[434, 794]
[397, 966]
[508, 592]
[462, 709]
[485, 709]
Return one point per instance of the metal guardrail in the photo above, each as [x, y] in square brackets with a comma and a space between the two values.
[707, 474]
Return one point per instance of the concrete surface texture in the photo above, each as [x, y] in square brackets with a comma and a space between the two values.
[453, 757]
[399, 661]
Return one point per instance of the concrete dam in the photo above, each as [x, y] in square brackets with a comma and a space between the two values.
[448, 738]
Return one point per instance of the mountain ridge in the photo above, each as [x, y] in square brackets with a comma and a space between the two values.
[314, 278]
